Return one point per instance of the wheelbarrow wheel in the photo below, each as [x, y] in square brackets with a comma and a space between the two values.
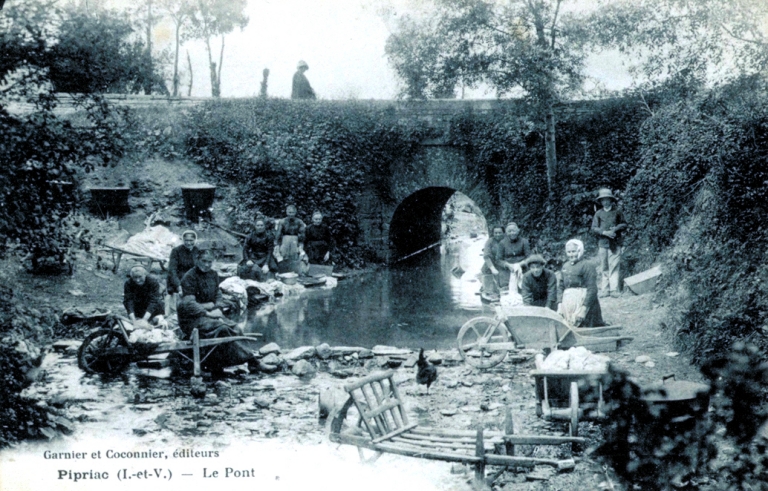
[476, 338]
[104, 351]
[573, 425]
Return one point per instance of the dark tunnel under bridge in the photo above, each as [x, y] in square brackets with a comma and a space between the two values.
[416, 223]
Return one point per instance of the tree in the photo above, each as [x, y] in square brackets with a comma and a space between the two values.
[521, 46]
[217, 18]
[693, 43]
[180, 12]
[97, 52]
[42, 152]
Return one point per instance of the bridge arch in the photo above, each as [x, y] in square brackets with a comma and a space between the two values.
[417, 222]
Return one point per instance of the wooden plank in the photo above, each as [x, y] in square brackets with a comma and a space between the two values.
[480, 454]
[456, 444]
[401, 449]
[591, 331]
[425, 454]
[509, 460]
[393, 387]
[381, 422]
[542, 439]
[445, 439]
[568, 373]
[448, 432]
[382, 408]
[366, 380]
[196, 351]
[361, 410]
[643, 282]
[381, 396]
[395, 433]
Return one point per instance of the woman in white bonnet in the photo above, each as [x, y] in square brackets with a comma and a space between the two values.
[578, 289]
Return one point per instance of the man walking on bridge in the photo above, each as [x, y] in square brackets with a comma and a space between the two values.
[301, 87]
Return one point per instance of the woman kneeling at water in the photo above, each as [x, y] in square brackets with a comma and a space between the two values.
[203, 307]
[578, 290]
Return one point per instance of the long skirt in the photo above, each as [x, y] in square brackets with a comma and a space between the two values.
[223, 355]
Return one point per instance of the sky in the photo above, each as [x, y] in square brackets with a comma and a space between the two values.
[342, 41]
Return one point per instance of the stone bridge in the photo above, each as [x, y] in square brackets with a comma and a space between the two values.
[421, 187]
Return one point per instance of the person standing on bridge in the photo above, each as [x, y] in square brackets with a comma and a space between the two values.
[301, 88]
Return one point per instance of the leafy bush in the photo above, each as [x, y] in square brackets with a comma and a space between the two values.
[97, 52]
[724, 449]
[22, 331]
[699, 199]
[42, 154]
[596, 146]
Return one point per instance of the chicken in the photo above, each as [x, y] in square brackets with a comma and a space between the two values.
[426, 373]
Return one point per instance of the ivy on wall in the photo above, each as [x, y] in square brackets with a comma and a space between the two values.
[317, 156]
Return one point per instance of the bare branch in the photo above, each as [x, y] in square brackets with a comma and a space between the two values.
[733, 35]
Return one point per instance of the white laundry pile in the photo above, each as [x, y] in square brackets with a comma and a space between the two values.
[330, 282]
[572, 306]
[233, 289]
[152, 336]
[510, 300]
[575, 359]
[155, 242]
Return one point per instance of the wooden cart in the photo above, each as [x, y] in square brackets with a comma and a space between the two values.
[382, 425]
[146, 261]
[568, 395]
[110, 351]
[483, 342]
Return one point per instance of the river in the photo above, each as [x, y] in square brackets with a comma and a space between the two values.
[416, 303]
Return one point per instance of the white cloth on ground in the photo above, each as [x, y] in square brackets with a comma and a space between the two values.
[155, 242]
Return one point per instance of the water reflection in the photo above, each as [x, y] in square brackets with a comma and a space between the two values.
[417, 303]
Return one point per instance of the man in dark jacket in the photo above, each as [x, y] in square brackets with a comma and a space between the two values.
[301, 88]
[539, 285]
[142, 297]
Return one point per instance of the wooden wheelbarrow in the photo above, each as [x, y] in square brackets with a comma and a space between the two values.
[483, 342]
[117, 255]
[568, 395]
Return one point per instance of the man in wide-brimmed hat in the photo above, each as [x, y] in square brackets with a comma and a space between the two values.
[609, 225]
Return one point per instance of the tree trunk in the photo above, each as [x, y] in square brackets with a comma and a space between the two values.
[550, 150]
[148, 74]
[176, 63]
[212, 69]
[189, 63]
[221, 62]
